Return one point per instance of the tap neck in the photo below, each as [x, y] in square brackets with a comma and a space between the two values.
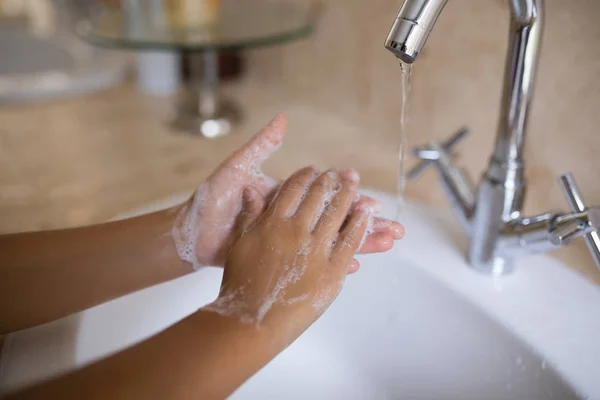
[519, 80]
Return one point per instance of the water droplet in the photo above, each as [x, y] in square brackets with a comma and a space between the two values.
[519, 360]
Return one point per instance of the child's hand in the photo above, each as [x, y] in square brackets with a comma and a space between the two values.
[291, 263]
[204, 229]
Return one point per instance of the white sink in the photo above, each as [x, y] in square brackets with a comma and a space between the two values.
[414, 323]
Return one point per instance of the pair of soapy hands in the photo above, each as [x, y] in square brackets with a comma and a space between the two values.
[267, 234]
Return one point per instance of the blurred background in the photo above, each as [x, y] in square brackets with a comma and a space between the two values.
[89, 91]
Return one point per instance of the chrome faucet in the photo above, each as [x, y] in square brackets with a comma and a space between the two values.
[492, 213]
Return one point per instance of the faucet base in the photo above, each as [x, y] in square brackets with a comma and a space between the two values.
[497, 266]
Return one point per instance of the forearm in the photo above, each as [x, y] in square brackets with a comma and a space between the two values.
[48, 275]
[205, 356]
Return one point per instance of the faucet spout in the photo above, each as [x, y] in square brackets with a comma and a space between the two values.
[411, 28]
[416, 20]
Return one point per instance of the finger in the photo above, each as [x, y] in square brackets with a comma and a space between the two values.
[380, 225]
[253, 205]
[336, 213]
[368, 202]
[352, 235]
[376, 243]
[318, 197]
[261, 146]
[354, 266]
[389, 227]
[292, 192]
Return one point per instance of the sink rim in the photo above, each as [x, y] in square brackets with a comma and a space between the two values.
[508, 300]
[512, 301]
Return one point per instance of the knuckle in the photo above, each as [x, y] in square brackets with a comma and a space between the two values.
[350, 241]
[329, 211]
[343, 199]
[320, 185]
[325, 183]
[294, 185]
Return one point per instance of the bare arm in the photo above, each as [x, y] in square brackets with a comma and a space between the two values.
[279, 278]
[48, 275]
[205, 356]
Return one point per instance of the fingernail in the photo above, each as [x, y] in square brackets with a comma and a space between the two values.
[332, 174]
[366, 208]
[314, 170]
[398, 231]
[377, 207]
[352, 175]
[360, 206]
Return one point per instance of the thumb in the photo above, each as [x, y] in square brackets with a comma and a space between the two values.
[253, 205]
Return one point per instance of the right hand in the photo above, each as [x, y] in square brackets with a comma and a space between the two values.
[291, 261]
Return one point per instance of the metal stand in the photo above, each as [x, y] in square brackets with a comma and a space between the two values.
[203, 112]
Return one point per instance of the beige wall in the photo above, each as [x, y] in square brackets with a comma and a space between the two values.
[344, 70]
[341, 92]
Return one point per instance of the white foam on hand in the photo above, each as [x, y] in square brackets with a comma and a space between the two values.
[204, 228]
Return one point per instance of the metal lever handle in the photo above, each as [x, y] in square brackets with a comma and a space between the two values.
[573, 195]
[427, 155]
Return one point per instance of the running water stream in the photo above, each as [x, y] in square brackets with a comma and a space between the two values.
[403, 147]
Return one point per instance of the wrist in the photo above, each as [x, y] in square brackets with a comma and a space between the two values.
[185, 234]
[267, 339]
[155, 231]
[281, 323]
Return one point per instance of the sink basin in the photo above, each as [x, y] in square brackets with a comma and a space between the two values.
[414, 339]
[414, 323]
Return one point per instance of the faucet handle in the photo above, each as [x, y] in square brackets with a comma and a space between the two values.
[575, 200]
[429, 154]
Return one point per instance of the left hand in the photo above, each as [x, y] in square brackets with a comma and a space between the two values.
[204, 229]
